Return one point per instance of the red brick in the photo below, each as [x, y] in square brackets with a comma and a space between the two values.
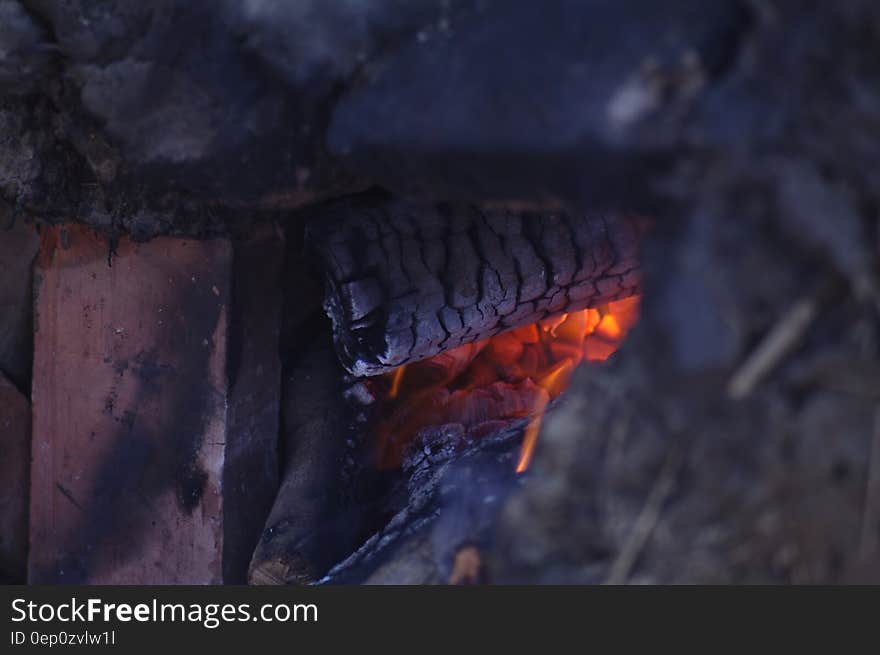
[129, 410]
[15, 446]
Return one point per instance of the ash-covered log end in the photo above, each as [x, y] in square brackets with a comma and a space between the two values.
[293, 569]
[406, 281]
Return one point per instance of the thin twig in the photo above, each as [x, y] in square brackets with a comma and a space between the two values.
[871, 512]
[641, 531]
[779, 342]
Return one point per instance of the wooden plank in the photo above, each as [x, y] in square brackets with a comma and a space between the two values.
[129, 410]
[402, 289]
[15, 449]
[250, 479]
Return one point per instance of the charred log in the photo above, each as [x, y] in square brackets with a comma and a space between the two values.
[291, 549]
[325, 505]
[449, 500]
[407, 281]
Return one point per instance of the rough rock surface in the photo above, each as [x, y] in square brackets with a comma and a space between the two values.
[150, 118]
[578, 101]
[177, 116]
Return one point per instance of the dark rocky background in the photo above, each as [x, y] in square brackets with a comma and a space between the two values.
[749, 131]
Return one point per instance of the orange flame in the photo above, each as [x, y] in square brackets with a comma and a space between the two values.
[530, 439]
[396, 377]
[511, 375]
[554, 383]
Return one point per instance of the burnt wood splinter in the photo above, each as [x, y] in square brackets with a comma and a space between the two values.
[406, 281]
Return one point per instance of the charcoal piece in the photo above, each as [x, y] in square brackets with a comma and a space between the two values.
[499, 271]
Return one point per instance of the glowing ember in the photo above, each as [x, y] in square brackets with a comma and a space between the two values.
[512, 375]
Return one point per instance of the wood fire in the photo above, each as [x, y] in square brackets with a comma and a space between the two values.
[485, 384]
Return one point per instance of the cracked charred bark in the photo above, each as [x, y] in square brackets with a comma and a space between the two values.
[407, 281]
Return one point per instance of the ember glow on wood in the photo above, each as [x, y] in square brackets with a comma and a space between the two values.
[483, 384]
[408, 281]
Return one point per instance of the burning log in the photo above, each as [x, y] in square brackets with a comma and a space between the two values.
[407, 281]
[485, 384]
